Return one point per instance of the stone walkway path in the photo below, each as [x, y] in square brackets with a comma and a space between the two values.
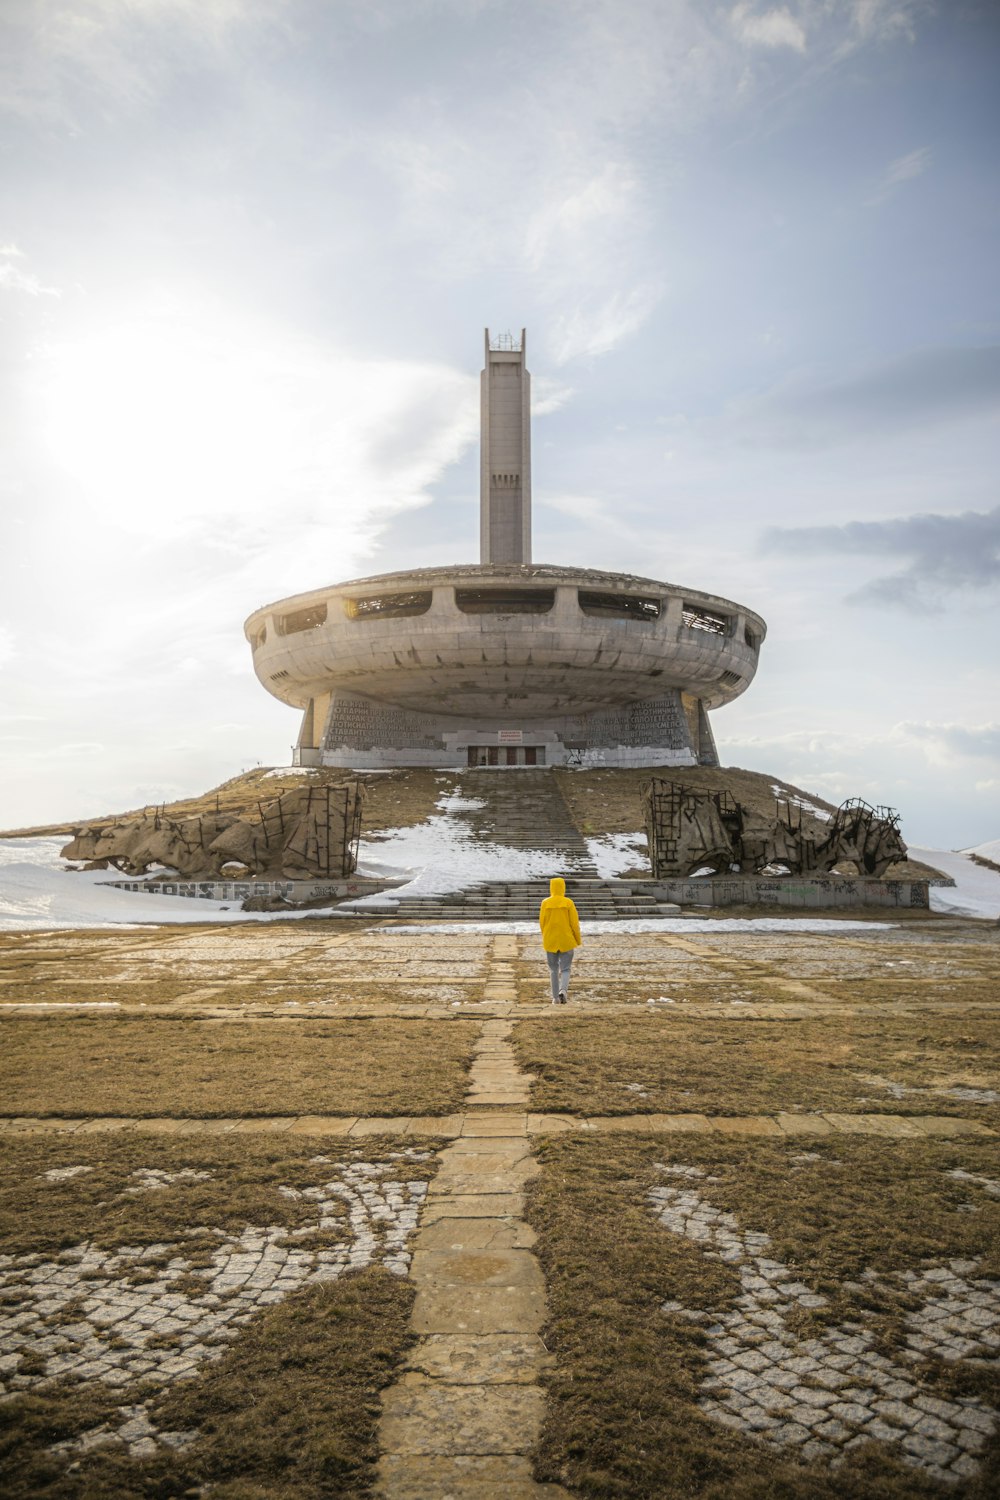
[467, 1124]
[467, 1413]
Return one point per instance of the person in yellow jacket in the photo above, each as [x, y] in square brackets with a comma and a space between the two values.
[560, 936]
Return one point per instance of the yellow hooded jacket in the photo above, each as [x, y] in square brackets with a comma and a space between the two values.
[558, 920]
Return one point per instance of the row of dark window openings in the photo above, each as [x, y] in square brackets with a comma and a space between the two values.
[506, 755]
[505, 602]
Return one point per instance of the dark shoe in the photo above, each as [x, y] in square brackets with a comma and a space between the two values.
[562, 998]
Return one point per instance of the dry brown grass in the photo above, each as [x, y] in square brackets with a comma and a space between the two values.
[244, 1173]
[642, 1064]
[622, 1418]
[91, 1066]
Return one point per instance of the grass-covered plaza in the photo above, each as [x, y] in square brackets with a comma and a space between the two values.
[326, 1209]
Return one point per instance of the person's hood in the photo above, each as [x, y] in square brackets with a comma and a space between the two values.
[557, 886]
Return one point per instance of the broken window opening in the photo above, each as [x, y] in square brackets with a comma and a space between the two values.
[696, 618]
[505, 601]
[622, 606]
[751, 640]
[388, 606]
[258, 638]
[301, 619]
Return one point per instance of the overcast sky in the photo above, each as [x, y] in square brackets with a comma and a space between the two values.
[247, 251]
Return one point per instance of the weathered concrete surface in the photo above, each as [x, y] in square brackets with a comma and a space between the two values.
[796, 891]
[468, 1410]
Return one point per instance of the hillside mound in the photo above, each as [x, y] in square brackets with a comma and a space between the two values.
[603, 801]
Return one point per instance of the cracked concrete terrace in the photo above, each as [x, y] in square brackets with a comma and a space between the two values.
[665, 1245]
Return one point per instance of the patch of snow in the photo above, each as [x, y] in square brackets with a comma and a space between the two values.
[444, 854]
[989, 850]
[37, 891]
[976, 892]
[809, 807]
[614, 853]
[290, 771]
[453, 802]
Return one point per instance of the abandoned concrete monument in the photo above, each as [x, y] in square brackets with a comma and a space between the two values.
[689, 831]
[307, 833]
[508, 662]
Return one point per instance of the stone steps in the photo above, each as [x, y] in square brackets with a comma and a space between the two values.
[518, 901]
[525, 809]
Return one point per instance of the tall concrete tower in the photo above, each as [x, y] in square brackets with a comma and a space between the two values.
[505, 454]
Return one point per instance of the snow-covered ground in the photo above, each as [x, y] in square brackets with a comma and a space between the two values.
[976, 892]
[990, 850]
[38, 892]
[614, 853]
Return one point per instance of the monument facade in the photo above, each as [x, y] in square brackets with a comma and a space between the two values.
[509, 662]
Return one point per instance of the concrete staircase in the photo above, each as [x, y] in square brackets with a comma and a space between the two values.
[524, 809]
[518, 901]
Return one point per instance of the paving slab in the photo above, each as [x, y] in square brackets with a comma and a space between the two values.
[949, 1125]
[420, 1416]
[509, 1147]
[744, 1124]
[791, 1124]
[514, 1123]
[465, 1309]
[473, 1206]
[483, 1359]
[465, 1267]
[446, 1126]
[553, 1124]
[517, 1167]
[494, 1098]
[613, 1124]
[384, 1125]
[477, 1234]
[323, 1125]
[461, 1477]
[891, 1125]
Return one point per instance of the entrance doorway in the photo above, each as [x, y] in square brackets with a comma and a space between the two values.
[506, 755]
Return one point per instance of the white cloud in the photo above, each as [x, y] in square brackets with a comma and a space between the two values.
[63, 58]
[176, 417]
[7, 651]
[770, 28]
[902, 169]
[886, 20]
[908, 166]
[595, 326]
[942, 744]
[548, 395]
[14, 279]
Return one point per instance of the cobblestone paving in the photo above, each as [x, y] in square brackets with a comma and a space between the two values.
[823, 1396]
[91, 1314]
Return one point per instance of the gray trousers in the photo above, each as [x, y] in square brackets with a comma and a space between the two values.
[559, 965]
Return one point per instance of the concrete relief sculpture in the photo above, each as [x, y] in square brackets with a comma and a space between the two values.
[690, 831]
[309, 833]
